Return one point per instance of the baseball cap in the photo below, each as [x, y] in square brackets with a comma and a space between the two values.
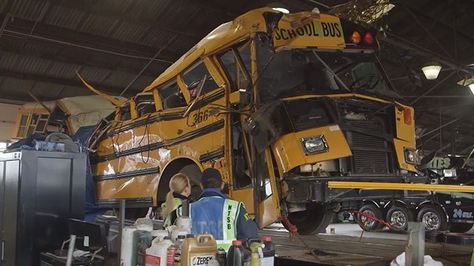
[211, 175]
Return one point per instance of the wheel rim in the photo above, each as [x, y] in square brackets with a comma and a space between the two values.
[367, 223]
[431, 220]
[398, 219]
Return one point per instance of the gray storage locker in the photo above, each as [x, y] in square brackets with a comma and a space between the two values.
[38, 192]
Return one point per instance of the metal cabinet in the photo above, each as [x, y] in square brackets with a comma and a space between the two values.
[38, 192]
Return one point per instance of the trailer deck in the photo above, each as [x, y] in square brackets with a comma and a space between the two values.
[331, 249]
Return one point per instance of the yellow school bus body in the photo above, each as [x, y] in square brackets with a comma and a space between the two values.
[134, 154]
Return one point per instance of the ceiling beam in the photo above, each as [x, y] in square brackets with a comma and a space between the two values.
[129, 66]
[59, 81]
[87, 41]
[111, 14]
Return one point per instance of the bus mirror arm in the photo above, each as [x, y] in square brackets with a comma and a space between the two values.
[201, 85]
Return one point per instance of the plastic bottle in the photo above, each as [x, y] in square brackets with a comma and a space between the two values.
[221, 257]
[179, 247]
[268, 249]
[256, 249]
[235, 256]
[160, 234]
[144, 240]
[178, 232]
[156, 254]
[128, 250]
[198, 250]
[171, 252]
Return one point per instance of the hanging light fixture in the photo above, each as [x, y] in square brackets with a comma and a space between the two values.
[468, 82]
[471, 87]
[431, 71]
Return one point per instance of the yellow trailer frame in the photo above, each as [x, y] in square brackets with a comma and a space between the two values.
[400, 186]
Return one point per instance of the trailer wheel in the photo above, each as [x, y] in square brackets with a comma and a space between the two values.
[314, 219]
[460, 227]
[194, 174]
[399, 216]
[433, 218]
[366, 223]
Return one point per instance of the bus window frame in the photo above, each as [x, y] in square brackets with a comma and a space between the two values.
[211, 70]
[171, 82]
[158, 103]
[29, 114]
[131, 109]
[239, 62]
[137, 105]
[245, 146]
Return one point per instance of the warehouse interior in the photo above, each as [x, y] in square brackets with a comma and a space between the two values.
[52, 50]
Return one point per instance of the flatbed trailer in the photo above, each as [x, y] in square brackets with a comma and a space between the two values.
[332, 249]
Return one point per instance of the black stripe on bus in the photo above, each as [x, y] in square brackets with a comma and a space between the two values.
[212, 155]
[153, 146]
[167, 116]
[146, 171]
[129, 203]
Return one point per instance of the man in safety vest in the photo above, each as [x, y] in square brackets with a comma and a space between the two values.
[218, 215]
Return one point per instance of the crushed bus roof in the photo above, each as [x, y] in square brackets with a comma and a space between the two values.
[222, 37]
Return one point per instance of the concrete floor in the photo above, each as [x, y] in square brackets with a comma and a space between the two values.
[348, 229]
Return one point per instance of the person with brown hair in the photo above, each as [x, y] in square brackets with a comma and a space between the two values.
[180, 189]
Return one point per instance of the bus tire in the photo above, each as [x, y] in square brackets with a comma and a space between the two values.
[193, 172]
[398, 217]
[460, 227]
[433, 218]
[371, 210]
[314, 219]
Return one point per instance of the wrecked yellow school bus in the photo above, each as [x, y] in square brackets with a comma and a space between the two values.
[280, 104]
[65, 115]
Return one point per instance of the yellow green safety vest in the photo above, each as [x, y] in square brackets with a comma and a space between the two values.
[176, 204]
[230, 213]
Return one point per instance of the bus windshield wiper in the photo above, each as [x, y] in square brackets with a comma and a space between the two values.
[330, 70]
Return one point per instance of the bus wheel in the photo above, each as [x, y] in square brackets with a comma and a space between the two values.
[460, 227]
[366, 223]
[194, 174]
[314, 219]
[433, 218]
[398, 217]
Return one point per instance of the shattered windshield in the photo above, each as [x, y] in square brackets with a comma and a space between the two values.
[304, 71]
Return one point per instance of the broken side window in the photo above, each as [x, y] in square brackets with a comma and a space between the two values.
[171, 96]
[145, 103]
[193, 77]
[236, 64]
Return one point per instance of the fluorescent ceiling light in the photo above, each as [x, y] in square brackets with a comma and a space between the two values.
[281, 9]
[431, 71]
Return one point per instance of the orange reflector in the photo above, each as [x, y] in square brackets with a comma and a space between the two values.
[407, 116]
[368, 38]
[355, 37]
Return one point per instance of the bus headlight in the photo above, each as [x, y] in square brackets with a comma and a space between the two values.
[316, 144]
[412, 156]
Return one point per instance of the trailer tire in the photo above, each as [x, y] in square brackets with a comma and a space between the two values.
[371, 210]
[433, 218]
[398, 217]
[460, 227]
